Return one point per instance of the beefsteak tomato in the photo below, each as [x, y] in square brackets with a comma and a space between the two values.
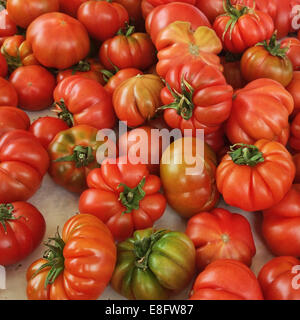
[76, 266]
[12, 118]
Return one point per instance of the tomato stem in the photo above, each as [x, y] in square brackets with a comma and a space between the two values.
[6, 214]
[127, 31]
[245, 154]
[63, 113]
[273, 47]
[81, 66]
[82, 156]
[130, 198]
[13, 63]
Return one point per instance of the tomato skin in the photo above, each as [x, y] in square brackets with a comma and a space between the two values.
[136, 100]
[226, 280]
[103, 198]
[65, 173]
[251, 28]
[89, 259]
[134, 10]
[296, 159]
[3, 66]
[258, 63]
[276, 278]
[220, 234]
[102, 19]
[8, 94]
[251, 110]
[120, 77]
[211, 99]
[165, 14]
[189, 194]
[22, 171]
[87, 101]
[70, 7]
[46, 128]
[216, 140]
[161, 274]
[137, 52]
[272, 178]
[294, 140]
[70, 40]
[34, 85]
[294, 51]
[281, 225]
[22, 235]
[12, 118]
[232, 73]
[7, 26]
[23, 12]
[294, 89]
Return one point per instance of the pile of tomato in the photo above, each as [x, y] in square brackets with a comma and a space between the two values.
[228, 68]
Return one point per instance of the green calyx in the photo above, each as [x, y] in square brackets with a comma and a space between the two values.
[64, 114]
[107, 74]
[130, 198]
[81, 66]
[143, 248]
[183, 102]
[82, 156]
[245, 154]
[55, 259]
[234, 14]
[6, 214]
[273, 47]
[13, 63]
[127, 31]
[2, 4]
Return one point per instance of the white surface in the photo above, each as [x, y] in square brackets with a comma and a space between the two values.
[58, 205]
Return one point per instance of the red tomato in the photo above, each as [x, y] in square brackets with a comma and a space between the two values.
[281, 225]
[134, 10]
[293, 52]
[226, 280]
[12, 118]
[34, 85]
[84, 101]
[23, 163]
[294, 141]
[137, 51]
[294, 89]
[102, 19]
[277, 277]
[216, 140]
[116, 79]
[7, 26]
[264, 171]
[232, 73]
[220, 234]
[70, 7]
[23, 12]
[196, 97]
[3, 66]
[296, 159]
[58, 40]
[163, 15]
[241, 28]
[46, 128]
[8, 94]
[260, 111]
[21, 231]
[76, 266]
[133, 140]
[124, 196]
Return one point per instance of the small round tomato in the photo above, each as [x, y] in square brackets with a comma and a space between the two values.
[8, 94]
[226, 280]
[220, 234]
[294, 140]
[12, 118]
[281, 225]
[102, 19]
[46, 128]
[77, 265]
[124, 196]
[293, 51]
[276, 279]
[153, 264]
[22, 228]
[137, 99]
[264, 172]
[23, 12]
[34, 85]
[267, 60]
[294, 89]
[188, 177]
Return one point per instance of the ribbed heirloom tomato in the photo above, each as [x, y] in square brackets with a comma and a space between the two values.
[21, 172]
[226, 279]
[12, 118]
[76, 266]
[220, 234]
[124, 196]
[277, 278]
[260, 111]
[196, 96]
[153, 264]
[255, 177]
[21, 231]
